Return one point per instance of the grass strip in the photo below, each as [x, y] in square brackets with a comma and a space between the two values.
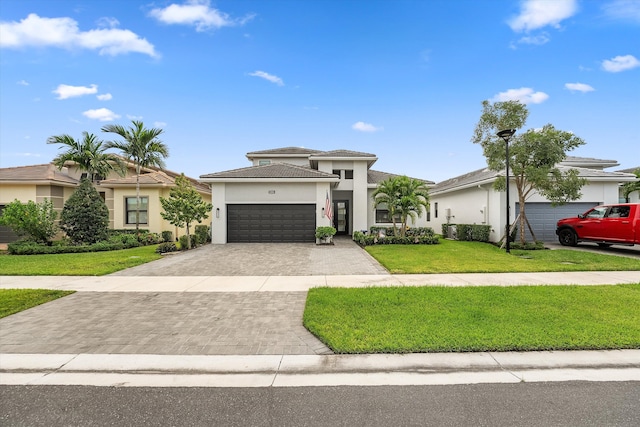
[470, 319]
[15, 300]
[80, 264]
[476, 257]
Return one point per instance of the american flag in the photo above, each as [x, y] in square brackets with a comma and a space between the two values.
[327, 208]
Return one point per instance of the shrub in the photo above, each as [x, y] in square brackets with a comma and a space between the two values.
[418, 235]
[323, 233]
[166, 247]
[469, 232]
[145, 238]
[528, 246]
[184, 243]
[85, 217]
[167, 236]
[33, 248]
[204, 233]
[35, 221]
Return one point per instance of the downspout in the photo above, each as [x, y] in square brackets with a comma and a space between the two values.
[486, 206]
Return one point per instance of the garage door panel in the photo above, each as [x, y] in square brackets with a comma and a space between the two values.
[543, 217]
[271, 223]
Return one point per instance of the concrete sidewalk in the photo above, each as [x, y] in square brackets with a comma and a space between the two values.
[303, 283]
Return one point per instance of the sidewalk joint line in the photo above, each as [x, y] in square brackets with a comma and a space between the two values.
[277, 371]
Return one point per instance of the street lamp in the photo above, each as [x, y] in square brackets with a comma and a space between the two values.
[506, 135]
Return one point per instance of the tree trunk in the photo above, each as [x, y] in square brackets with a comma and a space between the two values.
[522, 218]
[188, 238]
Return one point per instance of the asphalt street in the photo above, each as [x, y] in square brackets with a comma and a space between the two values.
[541, 404]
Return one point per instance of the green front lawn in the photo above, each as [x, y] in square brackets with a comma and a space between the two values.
[441, 319]
[80, 264]
[476, 257]
[15, 300]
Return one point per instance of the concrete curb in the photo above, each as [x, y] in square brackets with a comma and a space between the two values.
[295, 371]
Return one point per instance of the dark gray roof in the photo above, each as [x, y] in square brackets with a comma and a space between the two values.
[342, 153]
[36, 173]
[375, 177]
[284, 151]
[273, 170]
[630, 170]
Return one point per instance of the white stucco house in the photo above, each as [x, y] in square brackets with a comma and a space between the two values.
[287, 192]
[471, 199]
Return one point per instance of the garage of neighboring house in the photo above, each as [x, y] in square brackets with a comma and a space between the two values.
[543, 217]
[270, 223]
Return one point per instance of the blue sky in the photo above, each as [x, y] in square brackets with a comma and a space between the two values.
[401, 79]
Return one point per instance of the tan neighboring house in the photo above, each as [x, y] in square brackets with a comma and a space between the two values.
[40, 182]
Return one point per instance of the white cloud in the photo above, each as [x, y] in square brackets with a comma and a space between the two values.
[23, 83]
[620, 63]
[536, 14]
[104, 97]
[66, 91]
[197, 13]
[270, 77]
[579, 87]
[624, 10]
[64, 33]
[539, 40]
[101, 114]
[365, 127]
[526, 95]
[161, 125]
[130, 117]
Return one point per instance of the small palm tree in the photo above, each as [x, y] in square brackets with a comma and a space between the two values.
[89, 154]
[413, 197]
[140, 146]
[403, 196]
[387, 193]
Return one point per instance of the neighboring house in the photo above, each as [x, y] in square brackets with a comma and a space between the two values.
[287, 193]
[634, 197]
[471, 199]
[39, 182]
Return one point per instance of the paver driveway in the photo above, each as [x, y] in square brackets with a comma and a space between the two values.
[264, 259]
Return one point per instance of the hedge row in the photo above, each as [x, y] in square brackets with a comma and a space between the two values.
[469, 232]
[384, 236]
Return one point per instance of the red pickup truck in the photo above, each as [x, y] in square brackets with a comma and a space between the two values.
[605, 225]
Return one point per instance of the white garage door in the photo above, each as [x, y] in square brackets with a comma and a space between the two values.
[543, 217]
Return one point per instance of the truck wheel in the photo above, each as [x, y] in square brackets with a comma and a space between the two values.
[567, 237]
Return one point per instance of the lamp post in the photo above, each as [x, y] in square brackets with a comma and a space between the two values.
[506, 136]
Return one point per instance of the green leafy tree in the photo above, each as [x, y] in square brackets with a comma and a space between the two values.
[404, 197]
[85, 216]
[31, 220]
[184, 206]
[142, 147]
[630, 187]
[89, 154]
[533, 157]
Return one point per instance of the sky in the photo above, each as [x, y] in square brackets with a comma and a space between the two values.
[404, 80]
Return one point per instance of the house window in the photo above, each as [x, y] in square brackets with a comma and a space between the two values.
[348, 174]
[130, 210]
[336, 172]
[382, 216]
[103, 196]
[435, 209]
[428, 215]
[264, 162]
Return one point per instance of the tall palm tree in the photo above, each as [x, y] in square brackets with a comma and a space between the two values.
[88, 153]
[403, 196]
[140, 146]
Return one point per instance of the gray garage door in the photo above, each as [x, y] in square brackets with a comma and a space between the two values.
[543, 217]
[271, 223]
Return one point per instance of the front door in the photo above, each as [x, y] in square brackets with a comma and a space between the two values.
[341, 216]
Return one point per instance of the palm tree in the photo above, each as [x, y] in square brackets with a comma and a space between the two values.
[403, 196]
[88, 153]
[140, 146]
[413, 197]
[387, 193]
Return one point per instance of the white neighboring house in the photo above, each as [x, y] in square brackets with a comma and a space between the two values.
[471, 199]
[287, 192]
